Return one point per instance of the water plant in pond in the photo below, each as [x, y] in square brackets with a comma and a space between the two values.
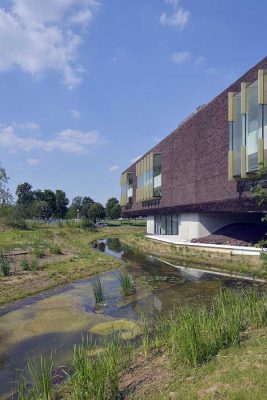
[195, 334]
[39, 374]
[125, 329]
[95, 377]
[126, 282]
[97, 289]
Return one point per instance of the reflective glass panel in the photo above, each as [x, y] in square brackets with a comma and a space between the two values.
[254, 127]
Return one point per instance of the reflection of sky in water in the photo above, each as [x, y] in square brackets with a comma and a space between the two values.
[57, 320]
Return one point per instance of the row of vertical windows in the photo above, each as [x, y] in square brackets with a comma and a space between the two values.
[248, 127]
[148, 172]
[166, 225]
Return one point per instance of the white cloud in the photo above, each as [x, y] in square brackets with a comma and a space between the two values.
[75, 113]
[114, 167]
[33, 161]
[178, 18]
[211, 71]
[200, 60]
[133, 160]
[83, 17]
[29, 125]
[69, 141]
[37, 36]
[181, 57]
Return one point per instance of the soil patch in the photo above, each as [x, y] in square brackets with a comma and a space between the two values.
[241, 234]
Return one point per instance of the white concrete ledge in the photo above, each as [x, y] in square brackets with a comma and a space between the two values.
[235, 250]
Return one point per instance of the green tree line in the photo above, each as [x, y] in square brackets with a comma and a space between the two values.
[48, 204]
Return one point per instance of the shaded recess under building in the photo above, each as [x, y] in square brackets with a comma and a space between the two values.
[199, 178]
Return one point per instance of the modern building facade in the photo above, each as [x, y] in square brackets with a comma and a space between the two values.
[199, 178]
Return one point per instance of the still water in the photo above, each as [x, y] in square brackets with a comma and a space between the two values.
[55, 320]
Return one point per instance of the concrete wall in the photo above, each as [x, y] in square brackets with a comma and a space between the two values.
[197, 225]
[150, 225]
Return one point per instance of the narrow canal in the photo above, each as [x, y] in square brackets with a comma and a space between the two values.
[55, 320]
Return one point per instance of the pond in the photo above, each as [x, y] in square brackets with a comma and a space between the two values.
[52, 322]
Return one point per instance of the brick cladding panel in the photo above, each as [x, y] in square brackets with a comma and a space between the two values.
[195, 161]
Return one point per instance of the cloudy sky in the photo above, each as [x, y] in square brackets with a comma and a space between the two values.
[86, 86]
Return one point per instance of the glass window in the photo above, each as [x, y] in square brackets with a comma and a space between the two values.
[157, 184]
[237, 134]
[253, 127]
[174, 224]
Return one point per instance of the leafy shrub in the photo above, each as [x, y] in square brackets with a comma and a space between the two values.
[39, 253]
[34, 265]
[12, 217]
[29, 266]
[55, 249]
[4, 264]
[25, 265]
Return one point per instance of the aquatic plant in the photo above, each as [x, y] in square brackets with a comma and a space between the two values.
[145, 336]
[126, 282]
[95, 377]
[194, 334]
[4, 264]
[40, 376]
[97, 289]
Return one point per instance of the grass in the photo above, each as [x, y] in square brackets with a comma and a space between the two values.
[79, 260]
[39, 374]
[126, 282]
[97, 290]
[193, 336]
[194, 340]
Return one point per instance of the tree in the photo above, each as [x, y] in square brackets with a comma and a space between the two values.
[61, 204]
[77, 202]
[5, 195]
[25, 194]
[113, 210]
[40, 209]
[116, 212]
[86, 204]
[50, 198]
[96, 211]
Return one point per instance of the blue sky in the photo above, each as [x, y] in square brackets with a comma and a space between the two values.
[86, 86]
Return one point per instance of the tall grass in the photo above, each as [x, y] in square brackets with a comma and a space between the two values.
[126, 282]
[95, 376]
[193, 335]
[97, 289]
[39, 374]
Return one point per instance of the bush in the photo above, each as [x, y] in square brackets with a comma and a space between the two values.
[39, 253]
[55, 249]
[13, 217]
[86, 223]
[25, 265]
[4, 264]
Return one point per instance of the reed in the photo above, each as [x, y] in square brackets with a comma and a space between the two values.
[126, 282]
[39, 374]
[193, 335]
[97, 289]
[95, 377]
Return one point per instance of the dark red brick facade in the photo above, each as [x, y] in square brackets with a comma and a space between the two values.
[195, 163]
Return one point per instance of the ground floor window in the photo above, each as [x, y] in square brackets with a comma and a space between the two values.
[166, 225]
